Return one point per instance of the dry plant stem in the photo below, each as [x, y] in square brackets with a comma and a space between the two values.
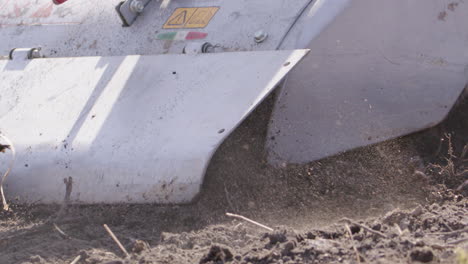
[440, 247]
[60, 231]
[464, 151]
[250, 221]
[447, 226]
[228, 199]
[368, 229]
[6, 207]
[40, 229]
[452, 232]
[465, 183]
[354, 246]
[458, 241]
[75, 261]
[116, 240]
[398, 229]
[441, 142]
[66, 201]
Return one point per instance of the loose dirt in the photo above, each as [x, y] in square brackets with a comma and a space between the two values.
[386, 203]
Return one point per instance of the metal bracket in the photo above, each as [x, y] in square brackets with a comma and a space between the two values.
[129, 10]
[25, 53]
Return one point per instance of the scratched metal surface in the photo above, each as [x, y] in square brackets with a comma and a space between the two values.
[89, 28]
[127, 128]
[377, 70]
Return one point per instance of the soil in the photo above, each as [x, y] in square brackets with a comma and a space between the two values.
[393, 202]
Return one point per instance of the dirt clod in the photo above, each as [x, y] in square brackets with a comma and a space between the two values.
[114, 262]
[217, 255]
[37, 259]
[275, 238]
[287, 248]
[139, 246]
[422, 255]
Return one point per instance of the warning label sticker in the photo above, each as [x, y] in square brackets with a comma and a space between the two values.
[191, 17]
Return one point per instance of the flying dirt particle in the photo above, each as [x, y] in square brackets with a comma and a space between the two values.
[68, 188]
[4, 147]
[452, 6]
[442, 15]
[93, 45]
[422, 255]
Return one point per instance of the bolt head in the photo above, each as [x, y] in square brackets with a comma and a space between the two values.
[137, 6]
[35, 53]
[260, 36]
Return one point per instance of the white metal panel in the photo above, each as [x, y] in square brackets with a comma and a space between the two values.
[127, 129]
[377, 70]
[91, 28]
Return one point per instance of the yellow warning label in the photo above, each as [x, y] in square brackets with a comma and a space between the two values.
[191, 17]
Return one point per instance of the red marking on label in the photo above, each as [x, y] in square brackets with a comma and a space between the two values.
[4, 4]
[59, 2]
[196, 35]
[17, 11]
[43, 11]
[13, 10]
[34, 12]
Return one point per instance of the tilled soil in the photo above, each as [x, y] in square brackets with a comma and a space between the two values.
[426, 234]
[397, 199]
[429, 234]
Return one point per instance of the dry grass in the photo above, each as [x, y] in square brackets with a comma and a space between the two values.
[453, 171]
